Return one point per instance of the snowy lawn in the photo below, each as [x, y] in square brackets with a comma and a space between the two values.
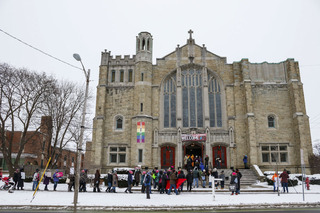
[62, 197]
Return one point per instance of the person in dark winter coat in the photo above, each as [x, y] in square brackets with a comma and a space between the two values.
[143, 186]
[83, 181]
[239, 176]
[196, 176]
[96, 181]
[161, 185]
[189, 180]
[284, 180]
[129, 182]
[203, 178]
[56, 178]
[206, 162]
[147, 183]
[137, 174]
[234, 182]
[16, 178]
[189, 163]
[222, 177]
[21, 178]
[181, 175]
[215, 175]
[245, 161]
[47, 179]
[109, 180]
[71, 183]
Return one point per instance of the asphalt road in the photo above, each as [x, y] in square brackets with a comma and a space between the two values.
[303, 210]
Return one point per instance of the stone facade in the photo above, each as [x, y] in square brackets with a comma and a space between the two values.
[243, 108]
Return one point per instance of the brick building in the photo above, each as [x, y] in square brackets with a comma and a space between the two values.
[35, 150]
[193, 102]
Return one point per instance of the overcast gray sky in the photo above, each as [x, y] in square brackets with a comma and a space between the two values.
[269, 31]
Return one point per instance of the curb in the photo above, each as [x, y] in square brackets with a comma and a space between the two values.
[164, 208]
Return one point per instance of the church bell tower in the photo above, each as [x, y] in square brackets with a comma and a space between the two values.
[142, 122]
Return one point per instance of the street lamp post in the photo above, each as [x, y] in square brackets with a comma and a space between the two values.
[77, 178]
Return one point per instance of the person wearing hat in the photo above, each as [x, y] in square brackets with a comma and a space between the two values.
[173, 178]
[47, 179]
[203, 178]
[233, 183]
[137, 175]
[56, 178]
[222, 177]
[114, 181]
[284, 180]
[83, 181]
[109, 182]
[96, 181]
[35, 179]
[129, 182]
[147, 183]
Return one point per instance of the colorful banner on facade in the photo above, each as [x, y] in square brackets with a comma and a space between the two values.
[140, 132]
[194, 137]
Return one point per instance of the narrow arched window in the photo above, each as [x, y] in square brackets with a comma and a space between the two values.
[215, 109]
[148, 44]
[121, 75]
[143, 44]
[113, 76]
[119, 123]
[271, 121]
[142, 76]
[130, 76]
[169, 102]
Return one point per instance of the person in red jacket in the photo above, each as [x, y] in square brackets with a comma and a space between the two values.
[284, 180]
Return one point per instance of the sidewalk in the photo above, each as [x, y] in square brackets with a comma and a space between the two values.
[201, 200]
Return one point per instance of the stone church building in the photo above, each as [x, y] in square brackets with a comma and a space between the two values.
[193, 102]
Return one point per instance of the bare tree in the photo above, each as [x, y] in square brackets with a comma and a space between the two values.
[64, 106]
[22, 94]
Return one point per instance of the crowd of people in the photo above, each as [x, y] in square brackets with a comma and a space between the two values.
[167, 180]
[164, 180]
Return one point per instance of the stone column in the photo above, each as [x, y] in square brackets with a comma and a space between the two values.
[251, 126]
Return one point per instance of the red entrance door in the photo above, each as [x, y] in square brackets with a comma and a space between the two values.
[221, 152]
[167, 156]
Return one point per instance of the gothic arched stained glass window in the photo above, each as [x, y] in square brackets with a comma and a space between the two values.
[215, 110]
[192, 109]
[192, 93]
[169, 100]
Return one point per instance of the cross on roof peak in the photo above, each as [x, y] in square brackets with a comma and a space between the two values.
[190, 32]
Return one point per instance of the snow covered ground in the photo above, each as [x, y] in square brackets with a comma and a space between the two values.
[135, 200]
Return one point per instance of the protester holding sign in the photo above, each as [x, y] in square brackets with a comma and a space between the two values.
[56, 177]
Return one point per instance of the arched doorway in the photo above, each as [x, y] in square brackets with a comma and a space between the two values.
[167, 157]
[221, 152]
[194, 148]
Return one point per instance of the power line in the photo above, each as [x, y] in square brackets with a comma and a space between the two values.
[47, 54]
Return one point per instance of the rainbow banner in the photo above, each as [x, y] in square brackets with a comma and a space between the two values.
[140, 132]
